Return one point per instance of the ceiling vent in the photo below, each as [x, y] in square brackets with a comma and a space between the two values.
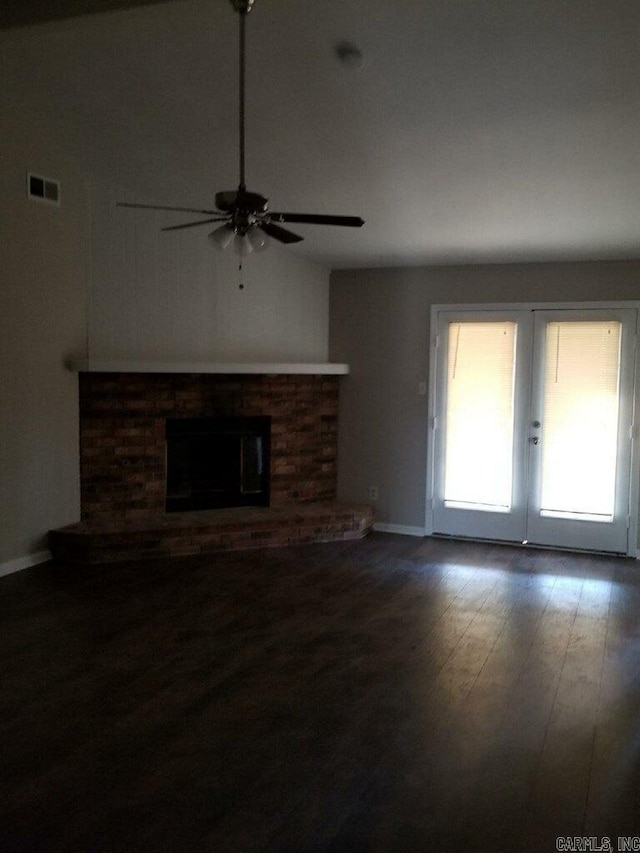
[43, 189]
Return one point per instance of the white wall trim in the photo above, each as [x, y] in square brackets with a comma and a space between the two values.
[24, 562]
[600, 305]
[403, 529]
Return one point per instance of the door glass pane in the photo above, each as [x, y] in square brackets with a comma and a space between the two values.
[479, 415]
[580, 419]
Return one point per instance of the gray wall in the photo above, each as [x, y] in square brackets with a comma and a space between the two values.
[43, 263]
[379, 324]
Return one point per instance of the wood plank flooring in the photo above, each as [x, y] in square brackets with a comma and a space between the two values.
[387, 695]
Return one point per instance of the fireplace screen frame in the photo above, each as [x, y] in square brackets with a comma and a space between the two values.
[243, 457]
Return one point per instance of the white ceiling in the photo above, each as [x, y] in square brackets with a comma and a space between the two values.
[475, 131]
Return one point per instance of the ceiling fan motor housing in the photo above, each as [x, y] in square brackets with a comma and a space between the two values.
[232, 200]
[242, 6]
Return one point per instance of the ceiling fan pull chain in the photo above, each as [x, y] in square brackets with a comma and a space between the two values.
[241, 283]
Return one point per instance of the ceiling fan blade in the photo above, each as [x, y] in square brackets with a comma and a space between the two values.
[193, 224]
[317, 219]
[278, 233]
[163, 207]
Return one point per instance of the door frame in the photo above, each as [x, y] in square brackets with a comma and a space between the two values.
[634, 487]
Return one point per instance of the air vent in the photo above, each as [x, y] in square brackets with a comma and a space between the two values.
[43, 189]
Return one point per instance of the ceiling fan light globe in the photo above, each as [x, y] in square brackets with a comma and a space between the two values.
[242, 245]
[221, 237]
[258, 239]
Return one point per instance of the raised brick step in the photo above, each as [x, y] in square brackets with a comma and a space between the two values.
[181, 533]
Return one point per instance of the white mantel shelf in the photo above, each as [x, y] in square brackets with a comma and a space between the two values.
[96, 366]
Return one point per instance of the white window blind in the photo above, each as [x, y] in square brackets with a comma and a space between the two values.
[479, 415]
[580, 419]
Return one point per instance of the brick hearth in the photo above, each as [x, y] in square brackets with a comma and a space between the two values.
[208, 531]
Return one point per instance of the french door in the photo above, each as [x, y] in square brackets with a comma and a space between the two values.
[533, 426]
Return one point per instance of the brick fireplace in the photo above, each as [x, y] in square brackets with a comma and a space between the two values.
[123, 420]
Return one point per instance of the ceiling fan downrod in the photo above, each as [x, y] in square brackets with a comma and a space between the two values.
[242, 7]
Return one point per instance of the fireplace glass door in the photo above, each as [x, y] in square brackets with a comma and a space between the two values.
[217, 462]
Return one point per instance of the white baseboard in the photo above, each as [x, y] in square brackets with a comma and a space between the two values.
[24, 562]
[403, 529]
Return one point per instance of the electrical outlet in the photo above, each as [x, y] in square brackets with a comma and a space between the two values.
[372, 492]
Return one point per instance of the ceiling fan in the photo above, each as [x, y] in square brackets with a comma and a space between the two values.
[247, 220]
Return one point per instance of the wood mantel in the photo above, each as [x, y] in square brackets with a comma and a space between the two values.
[266, 368]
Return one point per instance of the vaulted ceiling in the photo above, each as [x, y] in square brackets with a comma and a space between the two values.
[500, 130]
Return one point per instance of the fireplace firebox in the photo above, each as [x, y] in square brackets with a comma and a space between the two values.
[217, 462]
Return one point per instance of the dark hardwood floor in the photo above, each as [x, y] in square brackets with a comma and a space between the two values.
[393, 694]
